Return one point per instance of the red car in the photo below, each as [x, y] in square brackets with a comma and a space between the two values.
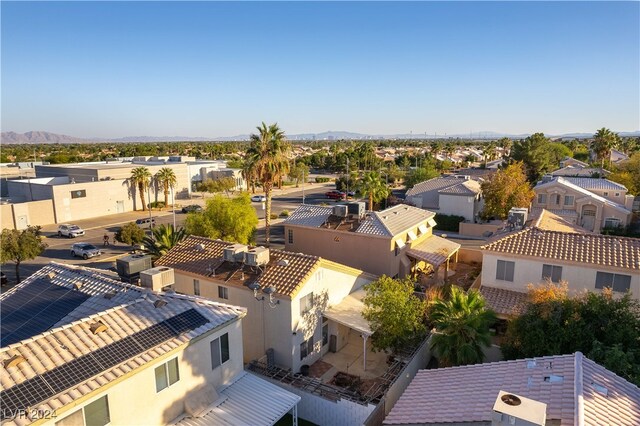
[336, 195]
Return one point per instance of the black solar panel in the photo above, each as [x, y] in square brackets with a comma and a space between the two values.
[35, 308]
[43, 387]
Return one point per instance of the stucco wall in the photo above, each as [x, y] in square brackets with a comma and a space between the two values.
[477, 229]
[458, 205]
[101, 199]
[6, 216]
[133, 400]
[580, 276]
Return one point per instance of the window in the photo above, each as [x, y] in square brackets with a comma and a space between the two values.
[611, 222]
[568, 200]
[219, 351]
[223, 292]
[325, 334]
[79, 194]
[306, 303]
[504, 270]
[617, 194]
[306, 348]
[96, 413]
[196, 287]
[290, 235]
[617, 282]
[605, 194]
[556, 198]
[542, 198]
[167, 374]
[552, 272]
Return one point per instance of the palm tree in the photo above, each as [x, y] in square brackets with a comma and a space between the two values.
[141, 178]
[371, 183]
[268, 161]
[167, 178]
[164, 238]
[604, 141]
[462, 327]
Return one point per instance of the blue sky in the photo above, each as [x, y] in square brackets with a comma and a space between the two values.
[102, 69]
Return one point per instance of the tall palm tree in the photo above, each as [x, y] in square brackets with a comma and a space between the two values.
[141, 178]
[371, 183]
[462, 327]
[267, 156]
[164, 238]
[604, 141]
[167, 178]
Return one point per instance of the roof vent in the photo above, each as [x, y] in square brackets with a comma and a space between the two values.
[98, 327]
[159, 303]
[13, 361]
[600, 389]
[78, 285]
[554, 379]
[200, 247]
[51, 275]
[110, 294]
[531, 364]
[283, 262]
[511, 399]
[516, 410]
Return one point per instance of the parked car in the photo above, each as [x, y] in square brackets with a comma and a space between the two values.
[336, 195]
[3, 278]
[191, 208]
[85, 250]
[258, 198]
[70, 231]
[351, 193]
[144, 223]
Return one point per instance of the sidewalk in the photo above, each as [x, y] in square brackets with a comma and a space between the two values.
[110, 220]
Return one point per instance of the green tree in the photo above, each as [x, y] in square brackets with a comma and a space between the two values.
[505, 189]
[130, 234]
[141, 179]
[267, 156]
[603, 142]
[299, 172]
[18, 246]
[229, 219]
[164, 238]
[462, 324]
[167, 179]
[374, 187]
[535, 153]
[225, 184]
[605, 328]
[628, 174]
[394, 313]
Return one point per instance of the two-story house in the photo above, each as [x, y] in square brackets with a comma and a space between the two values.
[458, 195]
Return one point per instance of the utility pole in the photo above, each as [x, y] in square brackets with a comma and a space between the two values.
[347, 176]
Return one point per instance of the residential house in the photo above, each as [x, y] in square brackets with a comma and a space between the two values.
[562, 390]
[81, 348]
[451, 195]
[395, 242]
[284, 294]
[570, 161]
[615, 156]
[591, 203]
[575, 171]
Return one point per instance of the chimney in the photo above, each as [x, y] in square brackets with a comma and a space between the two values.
[515, 410]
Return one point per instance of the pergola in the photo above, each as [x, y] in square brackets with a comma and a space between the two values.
[436, 251]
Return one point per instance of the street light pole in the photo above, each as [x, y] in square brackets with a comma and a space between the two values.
[173, 205]
[150, 219]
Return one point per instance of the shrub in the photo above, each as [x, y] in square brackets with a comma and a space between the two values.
[284, 213]
[156, 205]
[445, 222]
[274, 215]
[322, 179]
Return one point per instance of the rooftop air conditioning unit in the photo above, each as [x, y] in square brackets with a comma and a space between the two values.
[129, 267]
[510, 410]
[257, 256]
[357, 209]
[517, 217]
[340, 210]
[234, 253]
[157, 278]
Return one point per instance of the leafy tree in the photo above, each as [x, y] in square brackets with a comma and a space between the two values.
[394, 313]
[374, 187]
[141, 179]
[130, 234]
[605, 328]
[462, 327]
[628, 174]
[225, 184]
[299, 172]
[536, 154]
[557, 152]
[604, 141]
[229, 219]
[415, 176]
[167, 179]
[505, 189]
[18, 246]
[268, 162]
[164, 238]
[505, 143]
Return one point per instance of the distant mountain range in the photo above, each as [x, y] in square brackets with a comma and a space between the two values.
[38, 137]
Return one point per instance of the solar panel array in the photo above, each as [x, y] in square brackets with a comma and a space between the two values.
[40, 388]
[37, 307]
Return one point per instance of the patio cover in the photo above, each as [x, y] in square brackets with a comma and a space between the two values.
[349, 313]
[434, 250]
[249, 400]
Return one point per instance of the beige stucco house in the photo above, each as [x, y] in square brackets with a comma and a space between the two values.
[588, 202]
[451, 195]
[285, 295]
[393, 242]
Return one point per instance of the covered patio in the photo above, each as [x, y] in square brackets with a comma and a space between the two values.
[436, 251]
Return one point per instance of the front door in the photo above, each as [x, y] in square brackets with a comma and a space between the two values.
[119, 206]
[588, 218]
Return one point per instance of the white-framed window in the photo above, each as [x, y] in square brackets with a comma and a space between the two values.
[223, 292]
[220, 351]
[504, 270]
[290, 236]
[611, 222]
[95, 413]
[617, 194]
[552, 272]
[167, 374]
[556, 199]
[617, 282]
[568, 200]
[605, 194]
[196, 287]
[306, 303]
[542, 198]
[306, 348]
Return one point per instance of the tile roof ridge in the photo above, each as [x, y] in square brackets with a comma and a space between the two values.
[78, 268]
[199, 300]
[578, 389]
[509, 236]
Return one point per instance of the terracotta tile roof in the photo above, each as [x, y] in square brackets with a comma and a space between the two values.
[548, 220]
[428, 190]
[588, 248]
[504, 302]
[307, 215]
[467, 394]
[575, 171]
[596, 183]
[467, 188]
[286, 271]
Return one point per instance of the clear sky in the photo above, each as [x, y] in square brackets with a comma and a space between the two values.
[102, 69]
